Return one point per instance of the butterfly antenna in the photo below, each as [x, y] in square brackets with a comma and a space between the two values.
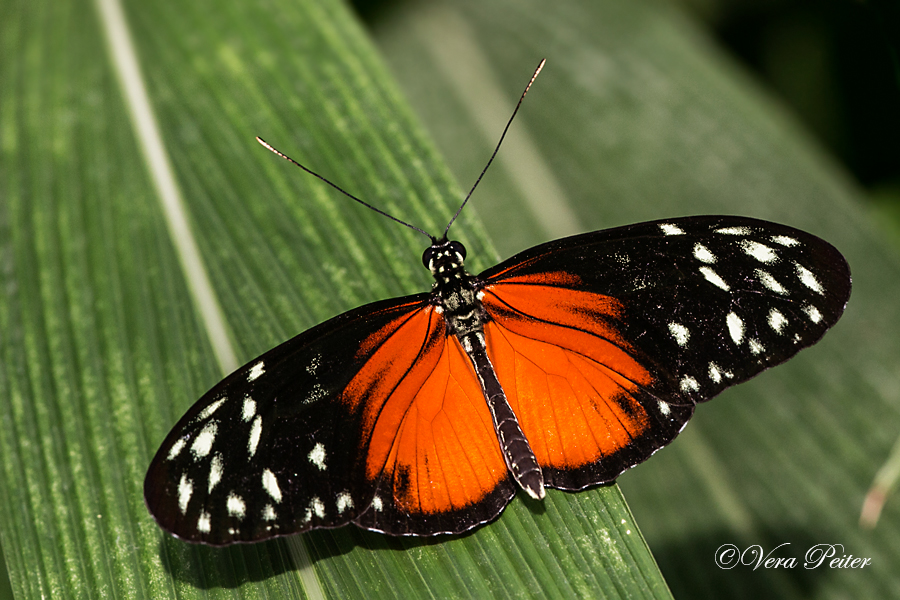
[497, 149]
[342, 190]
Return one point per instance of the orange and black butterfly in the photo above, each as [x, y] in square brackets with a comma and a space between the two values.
[561, 367]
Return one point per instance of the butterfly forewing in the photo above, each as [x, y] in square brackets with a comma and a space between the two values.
[701, 303]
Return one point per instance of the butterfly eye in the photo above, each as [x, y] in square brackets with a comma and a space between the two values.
[428, 256]
[458, 248]
[443, 252]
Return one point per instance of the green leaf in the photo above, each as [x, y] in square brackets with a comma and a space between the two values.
[106, 321]
[639, 115]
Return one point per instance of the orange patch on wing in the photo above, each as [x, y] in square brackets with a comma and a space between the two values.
[571, 308]
[376, 338]
[429, 430]
[545, 278]
[570, 377]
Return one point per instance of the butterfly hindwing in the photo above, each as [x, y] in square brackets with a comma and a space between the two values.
[645, 321]
[432, 441]
[429, 442]
[586, 398]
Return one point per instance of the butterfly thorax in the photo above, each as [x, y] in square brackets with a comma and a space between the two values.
[454, 290]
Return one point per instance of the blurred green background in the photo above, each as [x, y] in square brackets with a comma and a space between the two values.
[834, 63]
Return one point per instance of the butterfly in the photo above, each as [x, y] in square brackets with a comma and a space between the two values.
[560, 367]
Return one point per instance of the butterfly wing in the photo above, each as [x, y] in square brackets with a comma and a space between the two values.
[604, 342]
[432, 442]
[270, 449]
[347, 422]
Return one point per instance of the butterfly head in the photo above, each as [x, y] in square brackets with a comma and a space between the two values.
[444, 257]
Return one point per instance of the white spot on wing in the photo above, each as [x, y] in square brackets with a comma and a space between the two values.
[689, 384]
[680, 333]
[713, 278]
[756, 347]
[734, 231]
[760, 252]
[377, 504]
[664, 408]
[255, 432]
[176, 449]
[249, 409]
[808, 279]
[784, 240]
[317, 456]
[314, 364]
[669, 229]
[769, 282]
[216, 467]
[717, 373]
[318, 507]
[235, 506]
[185, 490]
[703, 254]
[813, 313]
[256, 371]
[209, 410]
[270, 484]
[735, 327]
[315, 394]
[777, 321]
[204, 440]
[344, 501]
[268, 513]
[203, 522]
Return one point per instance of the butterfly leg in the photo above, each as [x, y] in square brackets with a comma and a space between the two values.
[517, 452]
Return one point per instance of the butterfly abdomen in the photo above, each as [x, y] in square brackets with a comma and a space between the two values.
[517, 452]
